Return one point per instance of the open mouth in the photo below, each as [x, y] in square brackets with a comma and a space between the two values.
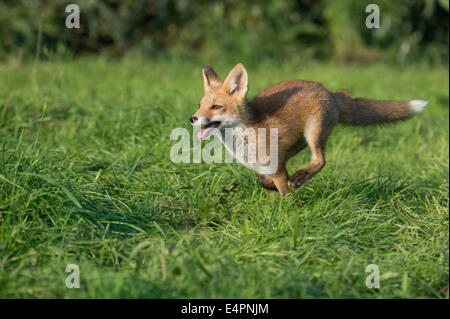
[208, 130]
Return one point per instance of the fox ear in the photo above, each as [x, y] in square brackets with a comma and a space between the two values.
[236, 83]
[210, 79]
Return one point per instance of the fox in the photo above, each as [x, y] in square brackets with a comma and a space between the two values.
[304, 114]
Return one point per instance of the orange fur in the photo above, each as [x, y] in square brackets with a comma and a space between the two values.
[304, 113]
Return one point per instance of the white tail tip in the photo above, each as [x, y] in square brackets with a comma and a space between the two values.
[417, 106]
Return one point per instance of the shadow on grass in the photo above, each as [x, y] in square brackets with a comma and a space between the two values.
[370, 192]
[114, 217]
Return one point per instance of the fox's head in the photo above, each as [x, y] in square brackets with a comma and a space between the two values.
[222, 102]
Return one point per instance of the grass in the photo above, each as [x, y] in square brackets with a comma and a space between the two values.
[86, 178]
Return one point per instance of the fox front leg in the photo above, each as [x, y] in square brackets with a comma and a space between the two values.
[266, 182]
[280, 179]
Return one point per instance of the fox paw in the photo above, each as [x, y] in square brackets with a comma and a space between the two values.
[297, 179]
[266, 182]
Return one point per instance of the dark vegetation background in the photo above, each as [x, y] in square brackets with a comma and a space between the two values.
[232, 29]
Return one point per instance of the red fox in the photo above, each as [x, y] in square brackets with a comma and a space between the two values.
[303, 112]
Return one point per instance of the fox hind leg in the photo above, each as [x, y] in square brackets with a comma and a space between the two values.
[316, 137]
[303, 175]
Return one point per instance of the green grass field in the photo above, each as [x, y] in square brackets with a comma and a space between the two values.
[86, 178]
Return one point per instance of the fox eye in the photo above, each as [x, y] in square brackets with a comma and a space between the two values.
[216, 107]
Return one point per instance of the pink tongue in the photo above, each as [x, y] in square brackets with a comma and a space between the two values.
[201, 133]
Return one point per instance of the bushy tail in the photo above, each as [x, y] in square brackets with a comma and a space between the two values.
[356, 111]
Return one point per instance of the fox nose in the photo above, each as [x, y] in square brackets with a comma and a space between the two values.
[193, 119]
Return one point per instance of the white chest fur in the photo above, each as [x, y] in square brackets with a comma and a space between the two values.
[242, 145]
